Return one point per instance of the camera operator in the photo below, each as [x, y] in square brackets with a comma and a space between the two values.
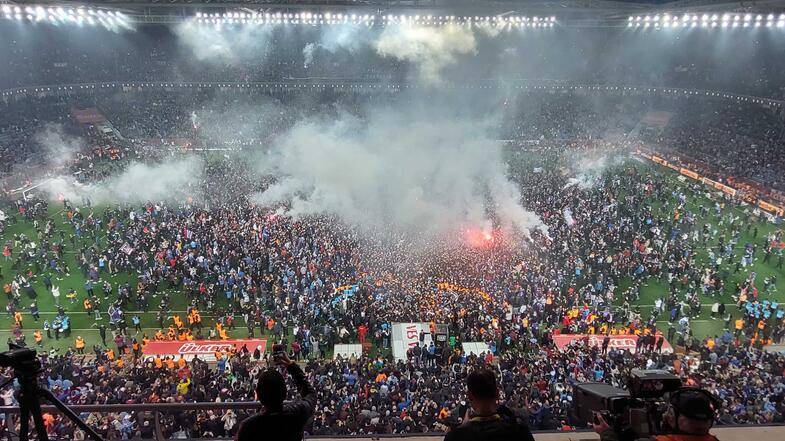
[689, 417]
[278, 420]
[487, 420]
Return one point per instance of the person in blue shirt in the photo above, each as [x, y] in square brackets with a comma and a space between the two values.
[137, 322]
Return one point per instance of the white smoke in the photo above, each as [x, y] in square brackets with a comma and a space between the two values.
[430, 49]
[218, 45]
[568, 217]
[396, 171]
[60, 147]
[349, 37]
[332, 39]
[589, 167]
[174, 180]
[308, 54]
[223, 120]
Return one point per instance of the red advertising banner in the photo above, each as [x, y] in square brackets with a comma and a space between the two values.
[730, 190]
[771, 208]
[621, 342]
[690, 173]
[202, 348]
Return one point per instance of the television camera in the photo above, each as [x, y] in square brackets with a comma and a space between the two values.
[27, 367]
[633, 413]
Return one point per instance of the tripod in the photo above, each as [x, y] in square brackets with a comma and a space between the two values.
[26, 369]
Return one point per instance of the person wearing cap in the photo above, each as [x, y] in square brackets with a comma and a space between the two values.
[689, 417]
[277, 419]
[486, 420]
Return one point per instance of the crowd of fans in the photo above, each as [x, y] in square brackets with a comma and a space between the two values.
[241, 266]
[613, 228]
[740, 141]
[725, 140]
[245, 266]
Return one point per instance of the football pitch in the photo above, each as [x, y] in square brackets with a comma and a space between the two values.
[84, 324]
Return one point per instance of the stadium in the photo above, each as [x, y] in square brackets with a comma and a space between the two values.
[389, 200]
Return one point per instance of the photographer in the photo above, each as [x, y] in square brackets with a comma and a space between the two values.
[689, 417]
[487, 420]
[278, 420]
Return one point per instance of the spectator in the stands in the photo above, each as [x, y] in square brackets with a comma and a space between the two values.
[278, 420]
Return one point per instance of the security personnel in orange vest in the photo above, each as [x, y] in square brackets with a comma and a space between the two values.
[110, 354]
[79, 345]
[688, 417]
[88, 306]
[739, 326]
[137, 349]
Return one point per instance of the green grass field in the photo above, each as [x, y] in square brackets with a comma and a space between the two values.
[82, 323]
[655, 288]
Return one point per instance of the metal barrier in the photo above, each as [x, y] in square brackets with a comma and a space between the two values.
[376, 85]
[765, 432]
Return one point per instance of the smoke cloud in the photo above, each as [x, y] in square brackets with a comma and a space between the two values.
[589, 167]
[396, 171]
[172, 181]
[218, 45]
[60, 147]
[333, 39]
[347, 37]
[308, 51]
[430, 49]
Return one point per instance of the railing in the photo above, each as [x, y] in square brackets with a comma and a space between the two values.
[365, 85]
[763, 432]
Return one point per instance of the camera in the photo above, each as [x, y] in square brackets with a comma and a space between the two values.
[17, 356]
[632, 413]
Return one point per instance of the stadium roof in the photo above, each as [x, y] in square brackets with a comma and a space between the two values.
[576, 11]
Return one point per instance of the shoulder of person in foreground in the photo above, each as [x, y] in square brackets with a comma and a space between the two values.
[247, 431]
[497, 430]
